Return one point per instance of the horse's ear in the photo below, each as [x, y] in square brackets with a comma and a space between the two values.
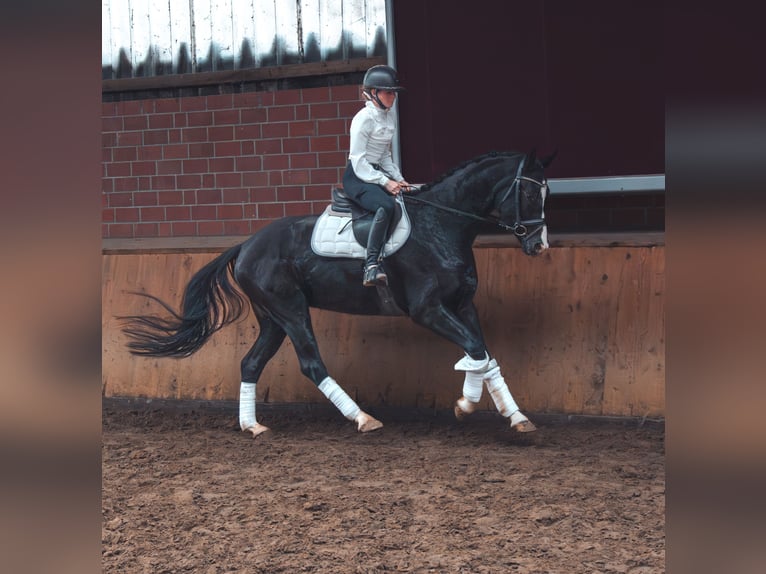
[532, 156]
[546, 161]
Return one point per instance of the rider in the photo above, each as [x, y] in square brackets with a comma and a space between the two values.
[371, 176]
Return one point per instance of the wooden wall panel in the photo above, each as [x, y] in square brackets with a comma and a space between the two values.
[579, 330]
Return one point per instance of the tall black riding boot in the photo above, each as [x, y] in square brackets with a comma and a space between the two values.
[373, 272]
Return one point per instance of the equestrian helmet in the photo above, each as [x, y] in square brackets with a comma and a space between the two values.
[381, 78]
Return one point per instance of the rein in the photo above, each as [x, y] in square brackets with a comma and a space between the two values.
[519, 227]
[450, 209]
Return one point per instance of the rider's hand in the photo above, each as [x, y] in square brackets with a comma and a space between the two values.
[392, 187]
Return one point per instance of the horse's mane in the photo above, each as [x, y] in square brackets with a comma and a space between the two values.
[465, 164]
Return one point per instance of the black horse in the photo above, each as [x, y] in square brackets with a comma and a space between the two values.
[432, 279]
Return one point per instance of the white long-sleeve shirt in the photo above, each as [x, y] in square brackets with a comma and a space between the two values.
[372, 131]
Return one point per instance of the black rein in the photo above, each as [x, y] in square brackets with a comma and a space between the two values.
[519, 227]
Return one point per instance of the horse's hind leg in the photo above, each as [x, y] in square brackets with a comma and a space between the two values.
[270, 338]
[296, 321]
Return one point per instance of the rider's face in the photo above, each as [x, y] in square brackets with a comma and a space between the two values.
[388, 97]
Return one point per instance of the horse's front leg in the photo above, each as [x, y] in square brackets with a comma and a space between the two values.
[490, 376]
[498, 390]
[464, 329]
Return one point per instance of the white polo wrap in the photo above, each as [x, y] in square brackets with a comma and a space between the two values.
[499, 391]
[247, 405]
[472, 365]
[339, 398]
[473, 385]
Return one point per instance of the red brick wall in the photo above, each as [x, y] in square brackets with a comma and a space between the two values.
[223, 164]
[228, 164]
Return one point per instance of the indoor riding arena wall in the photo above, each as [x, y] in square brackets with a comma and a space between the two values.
[576, 331]
[579, 330]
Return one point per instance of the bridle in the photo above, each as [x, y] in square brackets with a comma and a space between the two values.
[520, 227]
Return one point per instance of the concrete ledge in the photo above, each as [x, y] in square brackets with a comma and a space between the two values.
[624, 239]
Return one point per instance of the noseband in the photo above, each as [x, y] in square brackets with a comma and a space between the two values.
[520, 227]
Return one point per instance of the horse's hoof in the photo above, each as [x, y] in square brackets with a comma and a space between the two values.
[524, 426]
[463, 408]
[257, 429]
[366, 423]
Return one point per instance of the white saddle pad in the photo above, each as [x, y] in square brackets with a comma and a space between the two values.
[334, 237]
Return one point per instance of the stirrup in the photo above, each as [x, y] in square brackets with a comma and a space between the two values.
[374, 275]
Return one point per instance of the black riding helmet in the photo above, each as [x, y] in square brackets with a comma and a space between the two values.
[380, 78]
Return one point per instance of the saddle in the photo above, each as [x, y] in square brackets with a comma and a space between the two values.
[361, 218]
[342, 230]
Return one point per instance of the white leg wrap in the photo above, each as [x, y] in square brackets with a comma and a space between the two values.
[473, 385]
[339, 398]
[247, 406]
[518, 417]
[468, 364]
[500, 393]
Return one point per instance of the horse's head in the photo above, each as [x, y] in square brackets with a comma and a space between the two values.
[522, 205]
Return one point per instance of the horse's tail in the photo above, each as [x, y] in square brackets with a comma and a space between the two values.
[210, 302]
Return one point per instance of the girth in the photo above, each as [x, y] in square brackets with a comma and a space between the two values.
[361, 218]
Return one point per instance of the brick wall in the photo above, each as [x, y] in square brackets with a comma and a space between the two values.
[227, 164]
[222, 164]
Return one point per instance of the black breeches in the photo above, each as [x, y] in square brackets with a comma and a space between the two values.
[371, 196]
